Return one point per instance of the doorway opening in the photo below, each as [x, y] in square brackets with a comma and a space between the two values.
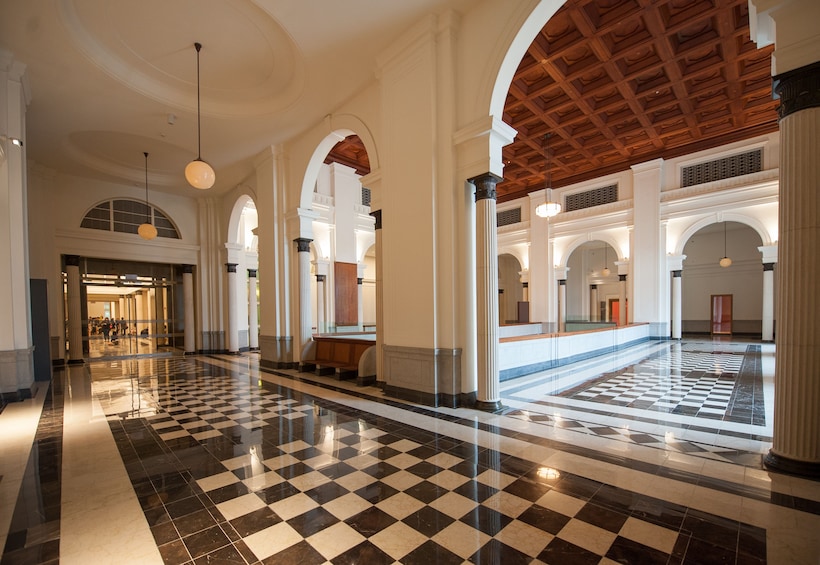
[130, 308]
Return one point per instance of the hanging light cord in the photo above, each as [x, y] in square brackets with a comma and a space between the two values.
[147, 206]
[198, 119]
[724, 239]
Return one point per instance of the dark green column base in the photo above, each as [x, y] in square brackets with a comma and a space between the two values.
[792, 466]
[488, 406]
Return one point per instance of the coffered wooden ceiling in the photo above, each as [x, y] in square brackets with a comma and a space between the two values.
[610, 83]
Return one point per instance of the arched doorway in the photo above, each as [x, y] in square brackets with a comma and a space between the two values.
[592, 286]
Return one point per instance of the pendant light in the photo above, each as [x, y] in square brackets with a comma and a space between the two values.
[549, 208]
[147, 230]
[198, 173]
[725, 262]
[606, 270]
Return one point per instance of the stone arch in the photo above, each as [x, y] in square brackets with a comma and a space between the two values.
[607, 238]
[339, 126]
[236, 216]
[697, 225]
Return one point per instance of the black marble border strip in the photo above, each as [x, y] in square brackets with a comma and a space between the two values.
[34, 532]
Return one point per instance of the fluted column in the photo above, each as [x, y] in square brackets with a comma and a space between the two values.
[233, 328]
[796, 439]
[767, 329]
[253, 312]
[621, 300]
[320, 303]
[677, 310]
[303, 252]
[377, 215]
[75, 310]
[487, 292]
[593, 303]
[562, 305]
[360, 312]
[189, 338]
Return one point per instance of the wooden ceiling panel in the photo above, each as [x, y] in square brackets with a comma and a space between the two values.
[617, 82]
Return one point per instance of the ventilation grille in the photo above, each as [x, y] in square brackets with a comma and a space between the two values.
[590, 198]
[719, 169]
[507, 217]
[125, 216]
[365, 196]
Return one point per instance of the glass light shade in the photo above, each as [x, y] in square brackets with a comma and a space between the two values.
[200, 174]
[725, 262]
[547, 209]
[606, 271]
[147, 231]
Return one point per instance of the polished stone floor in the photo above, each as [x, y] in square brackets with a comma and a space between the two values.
[649, 456]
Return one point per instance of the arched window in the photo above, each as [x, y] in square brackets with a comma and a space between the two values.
[125, 216]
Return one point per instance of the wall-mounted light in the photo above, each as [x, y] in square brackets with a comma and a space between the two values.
[198, 173]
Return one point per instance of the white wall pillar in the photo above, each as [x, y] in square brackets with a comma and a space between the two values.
[377, 215]
[647, 265]
[677, 310]
[359, 280]
[562, 305]
[769, 253]
[594, 307]
[320, 303]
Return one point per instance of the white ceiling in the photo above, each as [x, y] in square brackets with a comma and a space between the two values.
[110, 79]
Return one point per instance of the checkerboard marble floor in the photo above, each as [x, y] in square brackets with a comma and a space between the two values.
[218, 461]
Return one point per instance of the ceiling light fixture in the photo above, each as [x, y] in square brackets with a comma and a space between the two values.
[606, 270]
[725, 262]
[549, 208]
[198, 173]
[147, 230]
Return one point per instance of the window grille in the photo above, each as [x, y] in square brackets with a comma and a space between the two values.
[719, 169]
[125, 216]
[508, 217]
[590, 198]
[365, 196]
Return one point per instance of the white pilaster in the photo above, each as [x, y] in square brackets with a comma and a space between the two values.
[647, 265]
[253, 311]
[189, 338]
[233, 328]
[75, 312]
[769, 261]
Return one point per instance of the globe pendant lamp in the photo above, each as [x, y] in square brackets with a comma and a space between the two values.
[725, 262]
[147, 230]
[549, 208]
[198, 173]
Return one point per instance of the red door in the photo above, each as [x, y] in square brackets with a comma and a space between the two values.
[721, 314]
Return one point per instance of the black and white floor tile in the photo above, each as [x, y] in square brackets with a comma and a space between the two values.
[232, 464]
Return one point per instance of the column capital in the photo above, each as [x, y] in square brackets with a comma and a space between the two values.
[768, 267]
[302, 244]
[321, 278]
[252, 273]
[72, 260]
[188, 269]
[621, 278]
[798, 89]
[485, 186]
[359, 281]
[677, 273]
[562, 282]
[593, 287]
[231, 267]
[377, 214]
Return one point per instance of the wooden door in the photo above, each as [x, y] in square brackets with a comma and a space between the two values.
[721, 314]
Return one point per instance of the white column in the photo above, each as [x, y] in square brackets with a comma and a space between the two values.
[303, 252]
[677, 310]
[594, 308]
[75, 312]
[159, 315]
[487, 292]
[233, 329]
[320, 303]
[767, 330]
[796, 438]
[562, 305]
[360, 268]
[253, 312]
[622, 300]
[379, 300]
[188, 309]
